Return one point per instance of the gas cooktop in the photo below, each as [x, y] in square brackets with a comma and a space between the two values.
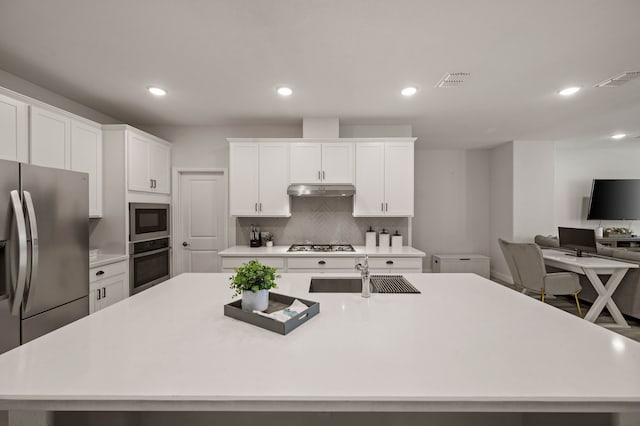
[321, 247]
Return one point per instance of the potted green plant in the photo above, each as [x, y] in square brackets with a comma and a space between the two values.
[253, 281]
[269, 239]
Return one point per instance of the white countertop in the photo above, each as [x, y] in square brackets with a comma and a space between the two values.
[106, 259]
[281, 251]
[464, 344]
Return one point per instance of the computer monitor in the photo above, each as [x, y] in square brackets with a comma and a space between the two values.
[577, 239]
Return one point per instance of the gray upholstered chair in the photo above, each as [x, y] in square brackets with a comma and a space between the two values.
[526, 264]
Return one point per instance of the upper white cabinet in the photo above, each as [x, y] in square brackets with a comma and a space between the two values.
[313, 162]
[86, 156]
[50, 139]
[258, 179]
[13, 130]
[149, 163]
[384, 179]
[63, 142]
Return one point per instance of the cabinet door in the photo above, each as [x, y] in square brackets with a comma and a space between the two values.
[160, 166]
[398, 175]
[13, 130]
[113, 291]
[369, 197]
[273, 179]
[243, 179]
[337, 162]
[50, 139]
[86, 156]
[306, 162]
[138, 163]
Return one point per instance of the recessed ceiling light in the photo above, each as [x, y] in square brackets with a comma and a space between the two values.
[285, 91]
[158, 91]
[569, 91]
[619, 136]
[409, 91]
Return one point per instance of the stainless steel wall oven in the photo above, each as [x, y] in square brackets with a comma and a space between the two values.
[149, 263]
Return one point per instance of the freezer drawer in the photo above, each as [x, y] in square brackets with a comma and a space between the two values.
[53, 319]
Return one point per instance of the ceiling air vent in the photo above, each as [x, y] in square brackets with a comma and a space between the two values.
[453, 79]
[619, 79]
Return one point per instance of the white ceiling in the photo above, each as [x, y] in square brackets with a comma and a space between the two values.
[222, 60]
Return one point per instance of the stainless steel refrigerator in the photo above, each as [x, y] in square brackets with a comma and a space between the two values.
[44, 250]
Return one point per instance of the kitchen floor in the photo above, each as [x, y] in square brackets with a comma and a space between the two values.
[567, 304]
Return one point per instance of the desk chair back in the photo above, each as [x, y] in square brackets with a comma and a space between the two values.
[526, 264]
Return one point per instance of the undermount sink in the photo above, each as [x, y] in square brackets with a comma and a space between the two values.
[335, 285]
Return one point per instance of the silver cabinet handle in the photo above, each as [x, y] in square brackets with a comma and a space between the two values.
[99, 294]
[260, 204]
[150, 183]
[256, 207]
[319, 175]
[323, 175]
[17, 295]
[386, 207]
[33, 227]
[381, 207]
[155, 183]
[104, 292]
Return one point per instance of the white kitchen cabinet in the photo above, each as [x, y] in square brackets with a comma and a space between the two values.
[461, 263]
[330, 162]
[108, 284]
[321, 264]
[229, 264]
[394, 265]
[86, 156]
[50, 139]
[384, 179]
[258, 179]
[14, 145]
[149, 163]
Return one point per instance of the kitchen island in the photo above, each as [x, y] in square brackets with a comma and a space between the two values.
[465, 344]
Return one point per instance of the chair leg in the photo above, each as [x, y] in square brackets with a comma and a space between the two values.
[578, 304]
[542, 295]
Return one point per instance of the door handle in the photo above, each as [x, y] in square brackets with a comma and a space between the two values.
[185, 244]
[16, 296]
[33, 227]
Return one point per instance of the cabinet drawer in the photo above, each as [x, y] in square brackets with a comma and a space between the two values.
[321, 263]
[228, 263]
[107, 271]
[401, 263]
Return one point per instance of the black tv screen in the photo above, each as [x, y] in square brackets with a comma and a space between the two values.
[615, 199]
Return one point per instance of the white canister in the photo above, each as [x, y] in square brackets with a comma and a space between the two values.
[599, 232]
[396, 241]
[370, 239]
[384, 239]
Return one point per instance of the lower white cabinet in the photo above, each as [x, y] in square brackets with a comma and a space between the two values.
[321, 264]
[394, 265]
[230, 263]
[108, 284]
[461, 263]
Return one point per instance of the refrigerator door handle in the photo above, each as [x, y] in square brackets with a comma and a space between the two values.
[33, 225]
[17, 294]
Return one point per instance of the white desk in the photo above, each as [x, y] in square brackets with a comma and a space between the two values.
[591, 267]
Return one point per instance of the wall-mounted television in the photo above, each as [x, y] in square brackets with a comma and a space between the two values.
[614, 199]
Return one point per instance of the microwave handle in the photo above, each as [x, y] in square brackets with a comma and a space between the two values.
[148, 253]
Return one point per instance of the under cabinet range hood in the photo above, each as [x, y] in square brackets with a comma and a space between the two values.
[321, 190]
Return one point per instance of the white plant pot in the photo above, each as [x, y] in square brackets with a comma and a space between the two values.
[258, 301]
[269, 243]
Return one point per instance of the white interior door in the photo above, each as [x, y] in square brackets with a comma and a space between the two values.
[202, 221]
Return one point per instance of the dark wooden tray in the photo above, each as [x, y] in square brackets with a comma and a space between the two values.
[276, 303]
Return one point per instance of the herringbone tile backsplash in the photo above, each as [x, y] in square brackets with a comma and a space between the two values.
[319, 220]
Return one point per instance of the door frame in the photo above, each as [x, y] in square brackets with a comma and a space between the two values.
[176, 219]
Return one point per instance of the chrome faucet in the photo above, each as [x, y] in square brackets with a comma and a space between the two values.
[364, 272]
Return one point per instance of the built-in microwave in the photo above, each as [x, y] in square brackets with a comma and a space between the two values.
[148, 221]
